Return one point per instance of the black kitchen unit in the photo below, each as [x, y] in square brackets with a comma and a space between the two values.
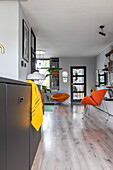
[18, 139]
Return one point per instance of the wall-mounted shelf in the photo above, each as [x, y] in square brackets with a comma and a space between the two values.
[109, 53]
[105, 69]
[108, 99]
[97, 85]
[110, 63]
[109, 86]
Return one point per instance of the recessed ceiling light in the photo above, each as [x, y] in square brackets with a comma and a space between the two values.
[40, 52]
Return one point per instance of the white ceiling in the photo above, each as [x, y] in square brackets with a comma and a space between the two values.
[69, 28]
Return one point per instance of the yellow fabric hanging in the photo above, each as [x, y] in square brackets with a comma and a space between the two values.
[36, 107]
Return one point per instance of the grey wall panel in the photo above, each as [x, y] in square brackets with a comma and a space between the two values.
[2, 128]
[18, 121]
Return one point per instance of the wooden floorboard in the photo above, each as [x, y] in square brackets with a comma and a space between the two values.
[71, 143]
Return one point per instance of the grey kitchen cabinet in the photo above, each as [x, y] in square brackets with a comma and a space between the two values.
[18, 138]
[34, 142]
[2, 127]
[35, 137]
[18, 123]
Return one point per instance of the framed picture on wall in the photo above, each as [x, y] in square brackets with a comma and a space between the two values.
[33, 41]
[33, 51]
[25, 41]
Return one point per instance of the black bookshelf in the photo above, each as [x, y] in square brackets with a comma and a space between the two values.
[54, 79]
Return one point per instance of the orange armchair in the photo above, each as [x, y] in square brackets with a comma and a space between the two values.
[95, 99]
[60, 97]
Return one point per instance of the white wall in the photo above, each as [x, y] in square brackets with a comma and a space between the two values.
[66, 63]
[9, 39]
[23, 71]
[11, 15]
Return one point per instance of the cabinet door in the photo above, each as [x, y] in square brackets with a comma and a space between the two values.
[2, 128]
[34, 142]
[18, 122]
[35, 137]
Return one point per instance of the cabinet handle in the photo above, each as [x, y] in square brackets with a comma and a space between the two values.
[20, 99]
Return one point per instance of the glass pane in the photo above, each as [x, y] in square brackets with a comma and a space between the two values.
[46, 82]
[78, 87]
[78, 72]
[78, 79]
[42, 64]
[102, 78]
[77, 96]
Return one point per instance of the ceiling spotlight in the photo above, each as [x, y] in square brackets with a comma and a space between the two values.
[102, 31]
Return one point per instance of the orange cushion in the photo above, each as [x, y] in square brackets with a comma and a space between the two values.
[95, 99]
[99, 95]
[88, 101]
[60, 97]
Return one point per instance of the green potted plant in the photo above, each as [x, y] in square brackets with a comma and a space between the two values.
[50, 70]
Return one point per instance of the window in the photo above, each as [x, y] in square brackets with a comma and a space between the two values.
[43, 65]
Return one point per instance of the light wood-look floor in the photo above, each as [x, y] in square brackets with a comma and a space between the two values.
[72, 143]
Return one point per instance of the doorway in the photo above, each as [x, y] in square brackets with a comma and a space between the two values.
[78, 83]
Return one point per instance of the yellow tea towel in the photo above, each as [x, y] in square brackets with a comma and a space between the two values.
[36, 107]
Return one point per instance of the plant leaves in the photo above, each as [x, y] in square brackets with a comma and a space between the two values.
[50, 90]
[54, 69]
[47, 98]
[45, 89]
[48, 75]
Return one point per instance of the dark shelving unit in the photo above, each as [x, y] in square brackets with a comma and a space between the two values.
[54, 78]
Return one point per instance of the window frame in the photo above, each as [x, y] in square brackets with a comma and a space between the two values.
[43, 67]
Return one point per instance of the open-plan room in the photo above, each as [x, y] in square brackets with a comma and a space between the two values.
[56, 85]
